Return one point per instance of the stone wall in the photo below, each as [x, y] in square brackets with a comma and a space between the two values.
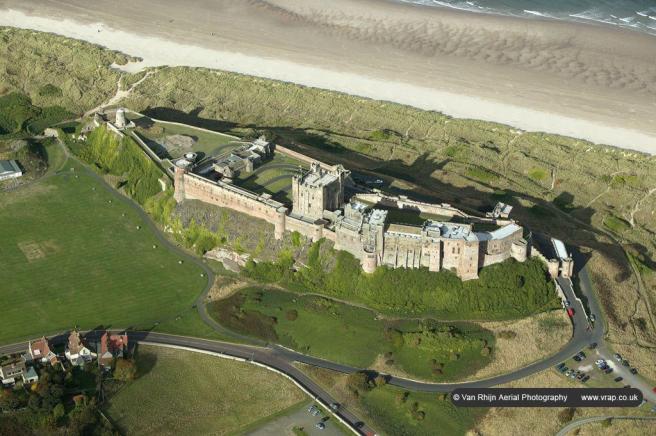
[193, 187]
[400, 202]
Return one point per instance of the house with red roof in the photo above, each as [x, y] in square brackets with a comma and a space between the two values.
[39, 351]
[76, 351]
[111, 347]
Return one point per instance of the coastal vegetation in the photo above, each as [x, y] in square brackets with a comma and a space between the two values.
[420, 153]
[394, 411]
[507, 290]
[137, 174]
[57, 71]
[18, 116]
[184, 392]
[356, 336]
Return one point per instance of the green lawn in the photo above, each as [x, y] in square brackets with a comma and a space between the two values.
[417, 413]
[181, 392]
[273, 177]
[73, 254]
[209, 143]
[355, 336]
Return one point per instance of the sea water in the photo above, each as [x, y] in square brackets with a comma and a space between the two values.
[636, 14]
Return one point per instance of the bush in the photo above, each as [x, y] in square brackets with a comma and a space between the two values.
[496, 294]
[123, 157]
[50, 90]
[292, 315]
[507, 334]
[125, 370]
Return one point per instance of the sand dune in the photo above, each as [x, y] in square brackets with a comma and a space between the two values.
[589, 81]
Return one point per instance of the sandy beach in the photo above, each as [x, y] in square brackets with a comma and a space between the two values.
[588, 81]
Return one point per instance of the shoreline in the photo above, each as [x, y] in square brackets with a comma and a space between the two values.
[580, 113]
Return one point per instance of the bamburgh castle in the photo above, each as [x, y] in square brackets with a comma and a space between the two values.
[360, 224]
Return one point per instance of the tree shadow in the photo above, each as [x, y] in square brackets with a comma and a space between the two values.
[145, 361]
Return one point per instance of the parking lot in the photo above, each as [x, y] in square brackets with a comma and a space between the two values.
[590, 368]
[301, 418]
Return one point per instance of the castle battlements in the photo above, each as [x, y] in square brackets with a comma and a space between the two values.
[319, 210]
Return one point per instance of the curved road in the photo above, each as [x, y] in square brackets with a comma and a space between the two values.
[582, 421]
[281, 358]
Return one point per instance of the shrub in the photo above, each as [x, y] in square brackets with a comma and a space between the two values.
[394, 336]
[50, 90]
[486, 351]
[125, 370]
[507, 334]
[292, 315]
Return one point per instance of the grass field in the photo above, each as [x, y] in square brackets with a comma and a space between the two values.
[356, 336]
[395, 412]
[181, 392]
[206, 143]
[73, 254]
[273, 177]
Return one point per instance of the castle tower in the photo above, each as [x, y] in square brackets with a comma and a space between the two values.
[120, 118]
[178, 180]
[279, 224]
[369, 262]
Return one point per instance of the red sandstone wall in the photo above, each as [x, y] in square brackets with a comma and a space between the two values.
[199, 189]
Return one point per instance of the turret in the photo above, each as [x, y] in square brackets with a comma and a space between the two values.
[178, 179]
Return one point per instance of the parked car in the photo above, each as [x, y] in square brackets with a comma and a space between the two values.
[585, 379]
[334, 406]
[634, 371]
[593, 318]
[320, 425]
[580, 376]
[619, 379]
[311, 408]
[581, 355]
[316, 412]
[608, 370]
[625, 362]
[577, 358]
[592, 346]
[618, 357]
[570, 312]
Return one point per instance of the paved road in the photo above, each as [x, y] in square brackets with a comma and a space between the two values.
[265, 356]
[579, 422]
[281, 358]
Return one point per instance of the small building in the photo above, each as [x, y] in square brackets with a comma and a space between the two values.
[112, 346]
[9, 169]
[501, 211]
[244, 159]
[12, 372]
[30, 376]
[76, 352]
[39, 351]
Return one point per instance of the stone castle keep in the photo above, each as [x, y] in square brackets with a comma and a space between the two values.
[320, 209]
